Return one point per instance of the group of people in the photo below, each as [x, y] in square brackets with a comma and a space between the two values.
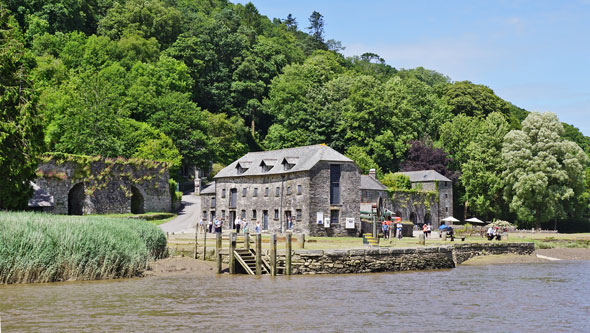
[217, 224]
[386, 226]
[494, 233]
[426, 229]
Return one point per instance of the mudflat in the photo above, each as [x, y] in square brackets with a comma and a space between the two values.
[180, 266]
[560, 253]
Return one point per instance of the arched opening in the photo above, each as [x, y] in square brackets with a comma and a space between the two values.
[413, 217]
[427, 219]
[76, 198]
[136, 201]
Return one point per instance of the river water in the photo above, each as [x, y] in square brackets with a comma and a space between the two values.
[546, 297]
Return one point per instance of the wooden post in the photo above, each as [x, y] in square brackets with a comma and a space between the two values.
[288, 254]
[374, 227]
[258, 254]
[218, 251]
[273, 254]
[301, 241]
[232, 247]
[444, 236]
[205, 244]
[422, 238]
[196, 241]
[247, 240]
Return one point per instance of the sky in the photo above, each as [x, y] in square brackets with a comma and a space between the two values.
[534, 54]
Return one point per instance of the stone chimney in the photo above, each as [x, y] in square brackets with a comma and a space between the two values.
[373, 173]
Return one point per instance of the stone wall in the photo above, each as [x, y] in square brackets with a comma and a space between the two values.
[463, 252]
[350, 195]
[396, 259]
[93, 185]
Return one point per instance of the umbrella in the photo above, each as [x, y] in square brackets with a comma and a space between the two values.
[450, 219]
[475, 220]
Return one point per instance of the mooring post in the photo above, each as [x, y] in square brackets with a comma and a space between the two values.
[288, 254]
[218, 251]
[247, 240]
[444, 235]
[301, 241]
[273, 254]
[258, 254]
[422, 239]
[196, 256]
[232, 258]
[205, 244]
[374, 227]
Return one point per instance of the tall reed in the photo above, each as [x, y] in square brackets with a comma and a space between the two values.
[38, 247]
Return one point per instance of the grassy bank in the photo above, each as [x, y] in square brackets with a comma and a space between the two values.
[37, 247]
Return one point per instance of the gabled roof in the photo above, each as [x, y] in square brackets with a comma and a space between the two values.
[370, 183]
[303, 158]
[210, 189]
[425, 176]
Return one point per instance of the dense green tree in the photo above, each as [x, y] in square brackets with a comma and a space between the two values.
[20, 126]
[396, 181]
[474, 100]
[544, 172]
[482, 172]
[362, 159]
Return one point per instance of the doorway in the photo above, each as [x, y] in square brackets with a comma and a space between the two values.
[232, 219]
[76, 198]
[265, 220]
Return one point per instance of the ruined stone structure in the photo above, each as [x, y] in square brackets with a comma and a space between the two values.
[430, 201]
[314, 187]
[79, 185]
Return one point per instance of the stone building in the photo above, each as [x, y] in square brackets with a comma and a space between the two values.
[80, 185]
[430, 206]
[315, 187]
[373, 192]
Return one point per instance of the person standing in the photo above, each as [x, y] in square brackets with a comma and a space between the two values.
[202, 224]
[428, 229]
[245, 226]
[238, 224]
[258, 229]
[217, 226]
[399, 231]
[425, 230]
[210, 225]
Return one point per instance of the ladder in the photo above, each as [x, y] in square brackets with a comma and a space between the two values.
[247, 258]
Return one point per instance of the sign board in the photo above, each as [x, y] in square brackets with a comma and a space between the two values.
[327, 222]
[350, 223]
[320, 218]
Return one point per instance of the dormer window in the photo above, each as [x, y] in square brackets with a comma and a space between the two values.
[267, 164]
[242, 167]
[289, 162]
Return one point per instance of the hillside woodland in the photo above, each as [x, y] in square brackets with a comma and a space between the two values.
[201, 82]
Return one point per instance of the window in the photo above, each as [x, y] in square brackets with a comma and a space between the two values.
[213, 202]
[212, 215]
[276, 214]
[243, 213]
[253, 213]
[288, 190]
[255, 192]
[299, 189]
[278, 191]
[446, 195]
[334, 184]
[223, 214]
[447, 209]
[244, 191]
[334, 216]
[299, 214]
[266, 191]
[233, 197]
[223, 193]
[205, 214]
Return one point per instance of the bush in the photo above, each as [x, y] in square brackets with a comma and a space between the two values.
[37, 247]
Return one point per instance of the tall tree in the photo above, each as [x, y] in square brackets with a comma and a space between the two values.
[21, 135]
[423, 156]
[316, 27]
[544, 172]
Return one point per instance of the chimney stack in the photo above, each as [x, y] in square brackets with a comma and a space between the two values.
[373, 173]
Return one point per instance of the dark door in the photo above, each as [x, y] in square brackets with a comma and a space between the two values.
[233, 197]
[265, 220]
[232, 219]
[288, 221]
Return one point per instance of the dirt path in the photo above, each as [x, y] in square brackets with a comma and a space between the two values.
[187, 217]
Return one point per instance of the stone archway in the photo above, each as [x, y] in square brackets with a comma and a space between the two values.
[427, 219]
[413, 217]
[76, 198]
[137, 206]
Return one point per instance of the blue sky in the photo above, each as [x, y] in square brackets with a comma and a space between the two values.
[535, 54]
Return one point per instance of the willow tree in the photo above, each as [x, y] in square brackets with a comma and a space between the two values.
[544, 172]
[20, 127]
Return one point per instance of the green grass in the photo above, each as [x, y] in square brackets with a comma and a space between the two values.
[155, 218]
[37, 247]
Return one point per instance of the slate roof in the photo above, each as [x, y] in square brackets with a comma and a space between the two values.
[425, 176]
[370, 183]
[299, 158]
[210, 189]
[40, 198]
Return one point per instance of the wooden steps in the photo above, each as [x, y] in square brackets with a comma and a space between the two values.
[370, 240]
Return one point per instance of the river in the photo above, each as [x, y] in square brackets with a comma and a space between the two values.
[545, 297]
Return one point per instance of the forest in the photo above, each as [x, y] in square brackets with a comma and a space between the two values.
[202, 82]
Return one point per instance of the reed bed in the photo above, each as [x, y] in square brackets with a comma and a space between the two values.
[38, 247]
